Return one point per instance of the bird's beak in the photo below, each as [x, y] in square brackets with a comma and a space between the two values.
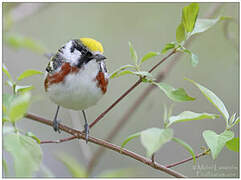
[99, 57]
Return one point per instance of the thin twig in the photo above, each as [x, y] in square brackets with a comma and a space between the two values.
[188, 159]
[213, 9]
[58, 141]
[108, 145]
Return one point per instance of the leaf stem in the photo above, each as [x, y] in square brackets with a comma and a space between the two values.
[188, 159]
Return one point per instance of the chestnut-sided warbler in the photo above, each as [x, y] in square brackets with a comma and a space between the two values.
[76, 77]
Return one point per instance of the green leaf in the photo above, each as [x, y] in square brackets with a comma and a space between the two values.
[236, 121]
[134, 56]
[190, 116]
[143, 74]
[5, 168]
[26, 153]
[189, 16]
[73, 166]
[194, 60]
[216, 142]
[116, 173]
[215, 100]
[152, 139]
[9, 83]
[8, 129]
[7, 99]
[186, 146]
[5, 70]
[18, 41]
[122, 73]
[180, 33]
[232, 119]
[149, 56]
[113, 74]
[178, 95]
[233, 144]
[28, 73]
[130, 138]
[30, 134]
[19, 106]
[168, 47]
[23, 89]
[205, 24]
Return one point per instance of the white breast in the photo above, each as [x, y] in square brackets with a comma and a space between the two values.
[79, 90]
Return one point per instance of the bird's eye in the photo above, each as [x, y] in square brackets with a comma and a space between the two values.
[89, 54]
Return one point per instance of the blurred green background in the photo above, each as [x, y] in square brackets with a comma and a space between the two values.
[149, 26]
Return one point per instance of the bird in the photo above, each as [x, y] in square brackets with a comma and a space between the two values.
[76, 77]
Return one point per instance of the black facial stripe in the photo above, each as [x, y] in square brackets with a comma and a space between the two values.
[76, 44]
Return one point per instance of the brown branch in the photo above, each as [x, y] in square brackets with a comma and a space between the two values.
[188, 159]
[129, 90]
[80, 135]
[213, 9]
[58, 141]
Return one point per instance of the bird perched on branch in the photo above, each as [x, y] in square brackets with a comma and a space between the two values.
[76, 77]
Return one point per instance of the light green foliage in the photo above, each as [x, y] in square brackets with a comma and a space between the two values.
[152, 139]
[130, 138]
[75, 169]
[119, 70]
[122, 73]
[233, 144]
[178, 95]
[18, 41]
[28, 73]
[134, 56]
[18, 107]
[216, 142]
[190, 116]
[8, 129]
[26, 153]
[19, 89]
[189, 16]
[30, 134]
[117, 173]
[135, 69]
[205, 24]
[236, 121]
[5, 168]
[22, 89]
[143, 74]
[7, 99]
[186, 146]
[15, 106]
[232, 121]
[149, 56]
[194, 60]
[5, 70]
[180, 33]
[215, 100]
[168, 47]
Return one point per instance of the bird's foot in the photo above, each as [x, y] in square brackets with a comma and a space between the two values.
[56, 126]
[86, 126]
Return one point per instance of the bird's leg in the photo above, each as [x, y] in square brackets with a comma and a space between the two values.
[86, 126]
[56, 122]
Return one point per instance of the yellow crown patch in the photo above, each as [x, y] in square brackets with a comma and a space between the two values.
[92, 44]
